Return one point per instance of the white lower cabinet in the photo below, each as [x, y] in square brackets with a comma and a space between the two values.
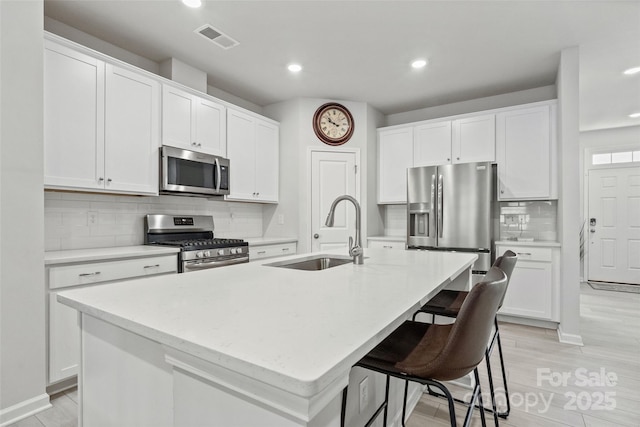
[271, 250]
[63, 330]
[532, 291]
[386, 243]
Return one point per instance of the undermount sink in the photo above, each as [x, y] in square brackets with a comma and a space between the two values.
[313, 263]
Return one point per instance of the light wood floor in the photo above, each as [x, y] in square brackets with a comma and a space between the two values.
[610, 327]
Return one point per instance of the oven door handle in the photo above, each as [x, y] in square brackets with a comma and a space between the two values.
[210, 264]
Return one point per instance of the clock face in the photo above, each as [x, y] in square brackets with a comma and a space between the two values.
[333, 124]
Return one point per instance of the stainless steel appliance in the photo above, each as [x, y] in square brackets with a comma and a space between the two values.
[450, 208]
[194, 236]
[191, 173]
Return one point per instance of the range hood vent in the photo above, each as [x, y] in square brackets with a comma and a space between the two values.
[216, 36]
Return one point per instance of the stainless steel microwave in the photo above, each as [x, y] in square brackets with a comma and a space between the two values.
[191, 173]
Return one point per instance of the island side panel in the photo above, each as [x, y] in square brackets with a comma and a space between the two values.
[124, 379]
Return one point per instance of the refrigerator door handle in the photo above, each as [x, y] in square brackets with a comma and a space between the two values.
[440, 209]
[432, 216]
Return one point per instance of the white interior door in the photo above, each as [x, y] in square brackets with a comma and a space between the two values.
[333, 174]
[614, 225]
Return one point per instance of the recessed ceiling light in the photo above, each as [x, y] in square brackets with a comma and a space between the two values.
[634, 115]
[631, 71]
[294, 68]
[419, 63]
[192, 3]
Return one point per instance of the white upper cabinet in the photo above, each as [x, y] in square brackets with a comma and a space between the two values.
[445, 142]
[525, 144]
[395, 155]
[474, 139]
[253, 150]
[101, 125]
[193, 122]
[432, 144]
[73, 119]
[132, 131]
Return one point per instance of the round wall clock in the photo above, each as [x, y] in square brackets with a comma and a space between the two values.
[333, 123]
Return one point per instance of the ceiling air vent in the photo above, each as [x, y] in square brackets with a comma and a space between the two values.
[216, 37]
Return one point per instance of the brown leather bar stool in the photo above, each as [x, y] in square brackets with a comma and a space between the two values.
[429, 353]
[447, 303]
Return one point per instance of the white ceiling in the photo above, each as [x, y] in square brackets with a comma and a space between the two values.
[361, 50]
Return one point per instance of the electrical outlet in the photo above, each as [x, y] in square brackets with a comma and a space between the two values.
[364, 393]
[92, 217]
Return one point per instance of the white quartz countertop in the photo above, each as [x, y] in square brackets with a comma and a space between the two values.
[102, 254]
[257, 241]
[539, 243]
[295, 330]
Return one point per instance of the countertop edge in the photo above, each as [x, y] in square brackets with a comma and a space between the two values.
[388, 238]
[260, 241]
[105, 254]
[539, 243]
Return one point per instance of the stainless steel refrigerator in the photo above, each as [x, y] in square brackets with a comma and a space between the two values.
[450, 208]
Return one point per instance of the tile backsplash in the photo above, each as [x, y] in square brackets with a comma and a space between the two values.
[529, 220]
[80, 221]
[526, 220]
[395, 220]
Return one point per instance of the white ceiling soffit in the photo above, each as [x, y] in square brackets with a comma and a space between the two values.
[216, 36]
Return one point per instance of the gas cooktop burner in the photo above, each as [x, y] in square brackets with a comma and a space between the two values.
[204, 243]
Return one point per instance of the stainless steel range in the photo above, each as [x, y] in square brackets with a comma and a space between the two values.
[193, 234]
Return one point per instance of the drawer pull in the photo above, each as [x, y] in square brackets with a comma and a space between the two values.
[285, 249]
[524, 253]
[261, 252]
[387, 247]
[89, 274]
[152, 266]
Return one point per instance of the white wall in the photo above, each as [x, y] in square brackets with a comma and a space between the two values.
[544, 93]
[22, 296]
[296, 138]
[569, 198]
[80, 37]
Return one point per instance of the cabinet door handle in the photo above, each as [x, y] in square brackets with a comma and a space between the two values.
[152, 266]
[109, 180]
[524, 253]
[88, 274]
[101, 179]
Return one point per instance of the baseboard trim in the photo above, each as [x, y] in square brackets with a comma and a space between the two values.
[24, 409]
[538, 323]
[566, 338]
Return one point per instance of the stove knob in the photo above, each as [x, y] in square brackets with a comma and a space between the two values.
[220, 251]
[207, 253]
[232, 250]
[199, 254]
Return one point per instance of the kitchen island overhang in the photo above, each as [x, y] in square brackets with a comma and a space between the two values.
[283, 341]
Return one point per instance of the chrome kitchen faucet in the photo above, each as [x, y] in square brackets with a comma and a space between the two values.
[354, 250]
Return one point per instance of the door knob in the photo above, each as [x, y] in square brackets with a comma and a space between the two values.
[593, 230]
[315, 236]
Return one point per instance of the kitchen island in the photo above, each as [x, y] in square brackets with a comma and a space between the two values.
[245, 345]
